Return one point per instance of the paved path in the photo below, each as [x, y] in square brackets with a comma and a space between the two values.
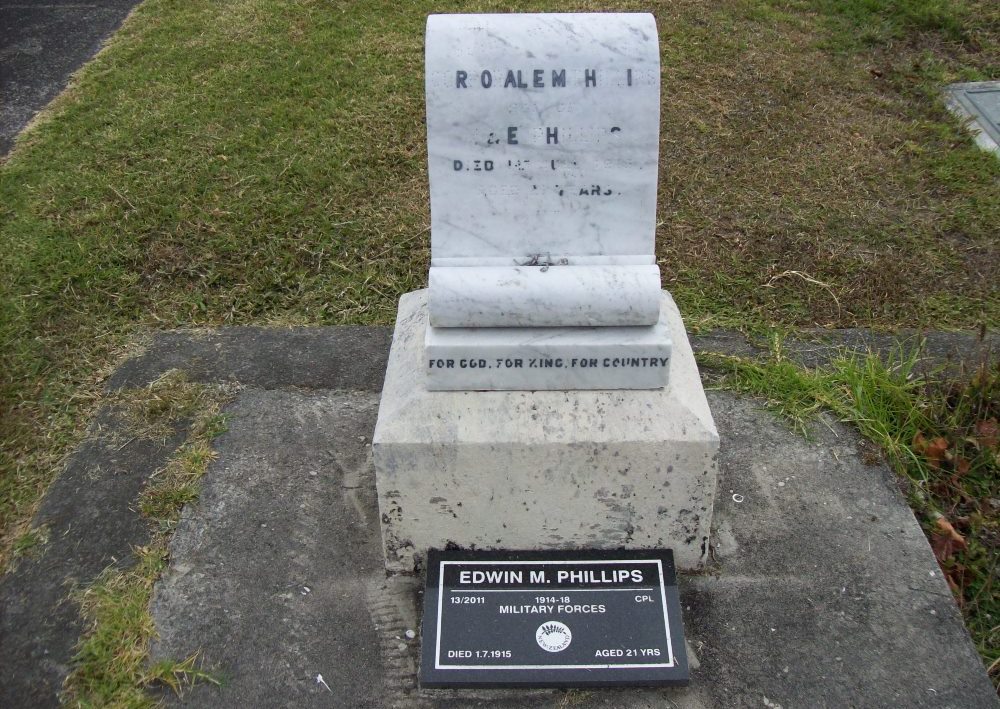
[824, 591]
[42, 42]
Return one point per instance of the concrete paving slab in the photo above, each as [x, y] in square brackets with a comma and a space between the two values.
[42, 42]
[285, 545]
[309, 358]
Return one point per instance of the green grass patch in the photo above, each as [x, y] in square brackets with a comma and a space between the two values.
[178, 483]
[940, 434]
[111, 666]
[30, 544]
[154, 411]
[873, 22]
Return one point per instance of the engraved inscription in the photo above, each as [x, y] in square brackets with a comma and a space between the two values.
[542, 135]
[566, 618]
[548, 363]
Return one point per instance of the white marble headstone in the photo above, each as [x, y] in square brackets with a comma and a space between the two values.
[542, 136]
[542, 143]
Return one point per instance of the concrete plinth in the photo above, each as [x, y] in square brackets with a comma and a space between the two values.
[547, 358]
[542, 469]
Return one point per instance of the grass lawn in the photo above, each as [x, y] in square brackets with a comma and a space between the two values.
[263, 161]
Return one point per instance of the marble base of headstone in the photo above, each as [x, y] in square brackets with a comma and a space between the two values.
[537, 358]
[597, 469]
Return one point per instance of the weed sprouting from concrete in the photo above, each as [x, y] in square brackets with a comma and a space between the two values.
[112, 666]
[30, 544]
[154, 411]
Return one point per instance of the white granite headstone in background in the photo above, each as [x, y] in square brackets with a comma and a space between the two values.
[543, 135]
[977, 104]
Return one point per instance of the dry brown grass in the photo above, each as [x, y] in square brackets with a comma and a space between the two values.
[782, 158]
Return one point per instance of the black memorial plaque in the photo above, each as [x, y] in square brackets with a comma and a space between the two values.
[552, 619]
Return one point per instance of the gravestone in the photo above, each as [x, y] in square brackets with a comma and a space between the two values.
[542, 139]
[542, 393]
[977, 104]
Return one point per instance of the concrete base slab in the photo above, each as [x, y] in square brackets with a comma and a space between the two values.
[542, 469]
[822, 591]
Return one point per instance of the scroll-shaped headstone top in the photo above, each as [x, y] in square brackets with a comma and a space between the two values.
[542, 136]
